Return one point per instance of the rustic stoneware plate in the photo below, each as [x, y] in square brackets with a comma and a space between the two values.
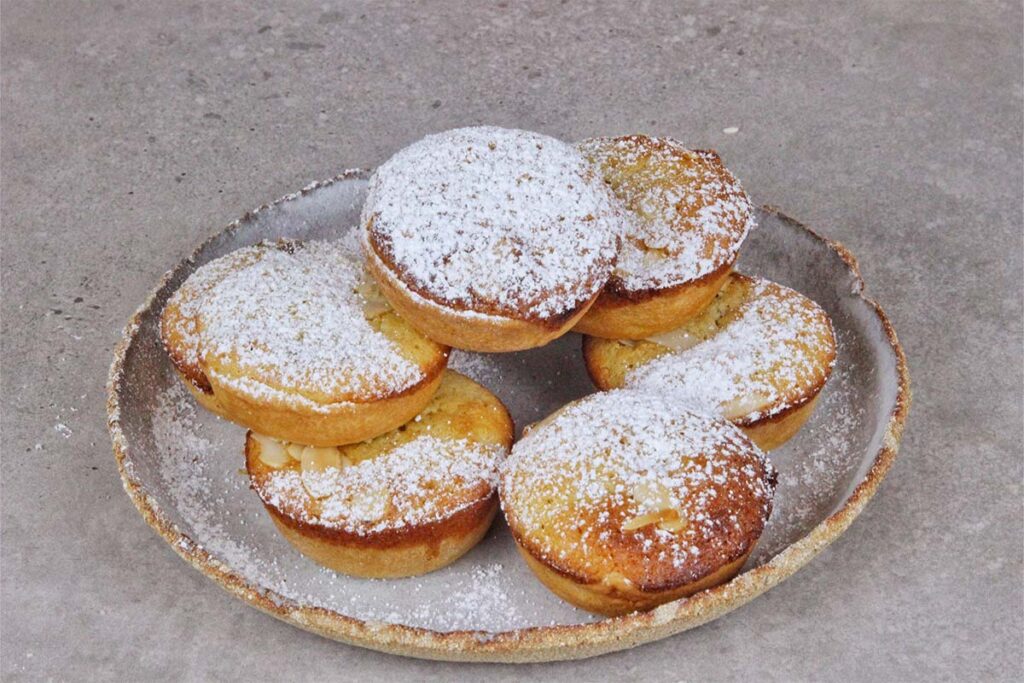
[183, 468]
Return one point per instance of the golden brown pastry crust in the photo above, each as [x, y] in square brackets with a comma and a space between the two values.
[615, 600]
[615, 363]
[397, 543]
[418, 551]
[472, 331]
[291, 408]
[630, 315]
[621, 502]
[337, 424]
[687, 217]
[490, 239]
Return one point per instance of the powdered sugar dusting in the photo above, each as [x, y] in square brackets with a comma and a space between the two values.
[756, 366]
[495, 221]
[183, 459]
[190, 464]
[480, 367]
[289, 321]
[399, 488]
[199, 463]
[688, 214]
[816, 465]
[627, 469]
[487, 588]
[200, 477]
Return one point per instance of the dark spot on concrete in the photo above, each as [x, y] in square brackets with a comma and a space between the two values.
[714, 30]
[436, 104]
[79, 299]
[56, 311]
[197, 82]
[331, 17]
[303, 46]
[151, 138]
[740, 52]
[213, 115]
[94, 307]
[263, 29]
[267, 75]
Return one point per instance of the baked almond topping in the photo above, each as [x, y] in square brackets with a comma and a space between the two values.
[272, 452]
[653, 496]
[315, 460]
[396, 488]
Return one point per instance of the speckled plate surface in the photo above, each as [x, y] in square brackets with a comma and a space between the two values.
[183, 468]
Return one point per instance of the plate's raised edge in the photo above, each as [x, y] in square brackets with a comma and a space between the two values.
[536, 644]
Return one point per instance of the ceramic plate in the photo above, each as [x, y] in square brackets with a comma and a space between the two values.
[183, 467]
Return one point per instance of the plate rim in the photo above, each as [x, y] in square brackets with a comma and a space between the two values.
[533, 644]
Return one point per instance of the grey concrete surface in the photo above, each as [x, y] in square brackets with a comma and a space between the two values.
[132, 130]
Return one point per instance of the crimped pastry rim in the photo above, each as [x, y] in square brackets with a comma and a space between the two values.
[534, 644]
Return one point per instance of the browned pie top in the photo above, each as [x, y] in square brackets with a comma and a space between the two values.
[621, 488]
[493, 222]
[439, 463]
[759, 349]
[294, 322]
[687, 214]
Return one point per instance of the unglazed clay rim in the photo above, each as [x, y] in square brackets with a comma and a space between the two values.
[537, 644]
